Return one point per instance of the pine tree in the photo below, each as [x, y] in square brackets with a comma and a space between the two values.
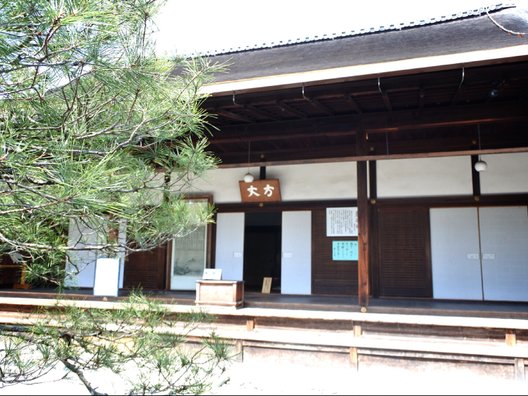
[95, 129]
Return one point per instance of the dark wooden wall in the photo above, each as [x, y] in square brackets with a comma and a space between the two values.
[328, 276]
[403, 251]
[9, 271]
[146, 270]
[400, 257]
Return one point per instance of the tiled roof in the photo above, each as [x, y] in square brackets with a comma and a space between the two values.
[481, 34]
[370, 30]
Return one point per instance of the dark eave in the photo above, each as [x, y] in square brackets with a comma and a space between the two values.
[461, 36]
[434, 110]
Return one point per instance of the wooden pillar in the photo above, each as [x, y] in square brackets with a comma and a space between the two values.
[520, 372]
[363, 219]
[239, 351]
[363, 247]
[168, 252]
[475, 178]
[354, 358]
[251, 323]
[510, 338]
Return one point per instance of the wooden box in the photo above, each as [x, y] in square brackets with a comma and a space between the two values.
[220, 292]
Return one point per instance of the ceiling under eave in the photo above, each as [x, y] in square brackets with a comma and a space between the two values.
[429, 111]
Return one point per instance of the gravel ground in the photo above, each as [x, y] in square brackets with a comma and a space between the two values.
[276, 377]
[273, 378]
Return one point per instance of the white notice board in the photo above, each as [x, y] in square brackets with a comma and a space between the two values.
[341, 222]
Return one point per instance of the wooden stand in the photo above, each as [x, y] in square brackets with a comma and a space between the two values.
[220, 292]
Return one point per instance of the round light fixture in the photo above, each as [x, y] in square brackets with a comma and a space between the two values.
[481, 166]
[248, 178]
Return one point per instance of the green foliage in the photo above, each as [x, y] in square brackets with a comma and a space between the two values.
[139, 346]
[94, 127]
[96, 132]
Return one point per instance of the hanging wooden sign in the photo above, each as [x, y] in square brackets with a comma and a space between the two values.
[267, 190]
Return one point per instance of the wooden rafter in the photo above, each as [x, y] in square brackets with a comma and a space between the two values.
[286, 107]
[232, 116]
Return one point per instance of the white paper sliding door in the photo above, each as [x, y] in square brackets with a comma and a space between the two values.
[230, 245]
[189, 252]
[296, 267]
[455, 254]
[480, 253]
[504, 240]
[188, 259]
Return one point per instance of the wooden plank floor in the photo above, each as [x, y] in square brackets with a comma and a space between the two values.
[514, 310]
[483, 332]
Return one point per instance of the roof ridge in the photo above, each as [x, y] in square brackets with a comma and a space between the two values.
[344, 34]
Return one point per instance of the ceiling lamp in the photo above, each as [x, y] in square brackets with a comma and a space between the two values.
[248, 177]
[480, 165]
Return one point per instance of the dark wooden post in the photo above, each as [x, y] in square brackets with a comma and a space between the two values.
[475, 177]
[363, 248]
[363, 216]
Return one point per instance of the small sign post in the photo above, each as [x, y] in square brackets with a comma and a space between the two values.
[266, 285]
[344, 250]
[212, 274]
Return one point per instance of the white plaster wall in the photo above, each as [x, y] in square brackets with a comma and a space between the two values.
[122, 238]
[297, 182]
[230, 245]
[222, 184]
[506, 173]
[81, 265]
[424, 177]
[154, 195]
[316, 181]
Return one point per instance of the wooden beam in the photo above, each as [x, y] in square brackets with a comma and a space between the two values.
[325, 156]
[317, 103]
[384, 96]
[233, 116]
[381, 122]
[350, 99]
[259, 112]
[279, 135]
[314, 143]
[452, 101]
[421, 97]
[286, 107]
